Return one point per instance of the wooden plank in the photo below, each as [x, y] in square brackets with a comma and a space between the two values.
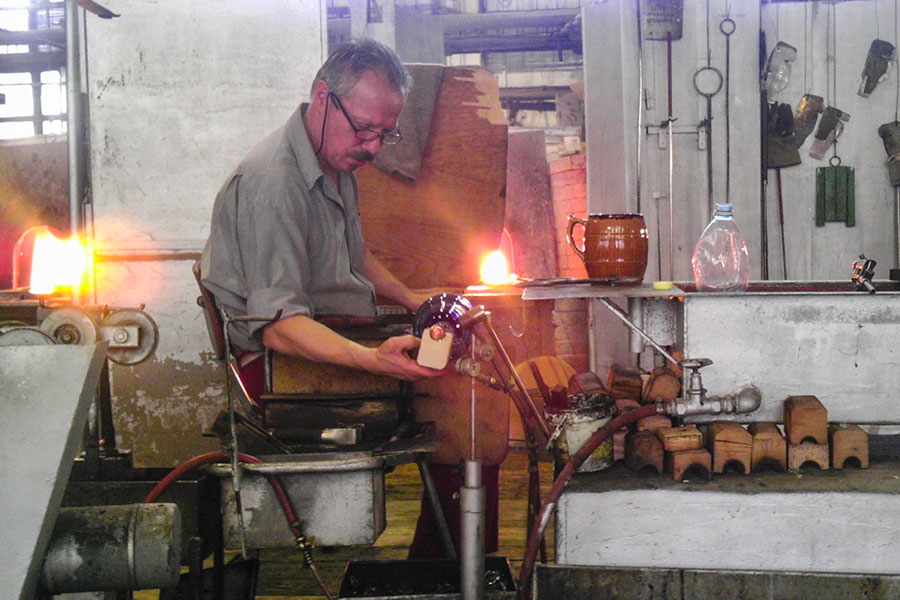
[434, 232]
[529, 208]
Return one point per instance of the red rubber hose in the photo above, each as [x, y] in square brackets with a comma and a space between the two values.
[556, 490]
[286, 506]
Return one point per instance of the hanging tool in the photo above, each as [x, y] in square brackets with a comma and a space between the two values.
[808, 110]
[727, 27]
[831, 125]
[777, 71]
[640, 113]
[764, 152]
[890, 135]
[662, 20]
[708, 82]
[835, 194]
[670, 120]
[878, 61]
[781, 223]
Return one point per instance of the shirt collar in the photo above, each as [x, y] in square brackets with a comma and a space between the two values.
[306, 156]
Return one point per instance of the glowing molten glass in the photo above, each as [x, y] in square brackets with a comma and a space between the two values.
[495, 270]
[55, 263]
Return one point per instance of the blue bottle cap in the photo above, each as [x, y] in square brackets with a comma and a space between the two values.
[724, 207]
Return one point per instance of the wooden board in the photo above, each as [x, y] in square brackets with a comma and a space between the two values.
[435, 231]
[529, 206]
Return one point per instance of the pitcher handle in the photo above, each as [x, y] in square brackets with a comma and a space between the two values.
[573, 221]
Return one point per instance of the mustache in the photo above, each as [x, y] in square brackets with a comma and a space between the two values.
[362, 155]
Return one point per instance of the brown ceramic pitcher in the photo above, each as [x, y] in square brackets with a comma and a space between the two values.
[615, 247]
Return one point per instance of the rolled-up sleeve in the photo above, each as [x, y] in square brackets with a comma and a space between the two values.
[272, 241]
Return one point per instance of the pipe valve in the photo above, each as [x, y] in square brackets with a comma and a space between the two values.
[694, 400]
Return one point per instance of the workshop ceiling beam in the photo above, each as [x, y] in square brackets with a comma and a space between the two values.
[465, 32]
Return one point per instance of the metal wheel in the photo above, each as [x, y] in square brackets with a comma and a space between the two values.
[24, 336]
[70, 326]
[132, 334]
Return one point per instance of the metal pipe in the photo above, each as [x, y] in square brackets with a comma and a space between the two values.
[74, 119]
[471, 507]
[479, 315]
[745, 401]
[113, 548]
[436, 510]
[624, 318]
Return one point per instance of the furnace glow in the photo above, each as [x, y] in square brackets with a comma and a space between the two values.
[57, 263]
[495, 270]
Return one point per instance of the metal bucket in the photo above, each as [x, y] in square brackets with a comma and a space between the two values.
[575, 425]
[338, 496]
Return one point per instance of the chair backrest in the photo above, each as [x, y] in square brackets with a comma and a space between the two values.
[215, 326]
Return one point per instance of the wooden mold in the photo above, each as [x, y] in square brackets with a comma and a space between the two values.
[674, 439]
[643, 452]
[663, 385]
[849, 442]
[769, 448]
[653, 422]
[800, 454]
[730, 445]
[689, 464]
[805, 419]
[625, 382]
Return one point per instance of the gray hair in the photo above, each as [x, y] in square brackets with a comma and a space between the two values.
[351, 60]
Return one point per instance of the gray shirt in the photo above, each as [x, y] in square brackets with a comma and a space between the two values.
[284, 238]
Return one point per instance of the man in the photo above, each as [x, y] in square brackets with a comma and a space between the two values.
[286, 236]
[286, 233]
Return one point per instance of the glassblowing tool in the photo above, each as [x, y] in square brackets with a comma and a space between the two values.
[878, 61]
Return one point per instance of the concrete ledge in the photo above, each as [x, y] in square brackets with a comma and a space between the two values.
[563, 581]
[816, 521]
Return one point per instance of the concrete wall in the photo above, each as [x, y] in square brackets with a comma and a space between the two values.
[613, 98]
[178, 93]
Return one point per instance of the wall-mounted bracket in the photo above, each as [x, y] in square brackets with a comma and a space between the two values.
[662, 133]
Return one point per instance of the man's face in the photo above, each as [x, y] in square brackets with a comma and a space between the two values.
[372, 104]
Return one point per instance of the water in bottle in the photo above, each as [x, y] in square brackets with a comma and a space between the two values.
[721, 262]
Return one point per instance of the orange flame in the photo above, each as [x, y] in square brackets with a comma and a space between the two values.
[495, 269]
[55, 263]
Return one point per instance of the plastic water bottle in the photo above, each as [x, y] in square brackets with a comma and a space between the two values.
[721, 262]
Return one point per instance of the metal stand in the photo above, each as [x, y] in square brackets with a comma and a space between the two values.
[472, 507]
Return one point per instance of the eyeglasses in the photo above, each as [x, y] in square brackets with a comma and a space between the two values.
[388, 138]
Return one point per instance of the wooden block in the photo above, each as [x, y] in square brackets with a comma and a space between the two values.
[674, 439]
[848, 443]
[586, 383]
[653, 422]
[663, 385]
[689, 464]
[625, 382]
[805, 419]
[643, 452]
[769, 449]
[730, 445]
[807, 452]
[619, 444]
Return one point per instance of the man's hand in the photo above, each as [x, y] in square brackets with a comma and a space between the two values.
[392, 358]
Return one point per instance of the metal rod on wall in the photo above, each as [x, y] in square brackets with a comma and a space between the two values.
[74, 122]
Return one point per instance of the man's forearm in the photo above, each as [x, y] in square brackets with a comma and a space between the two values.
[301, 336]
